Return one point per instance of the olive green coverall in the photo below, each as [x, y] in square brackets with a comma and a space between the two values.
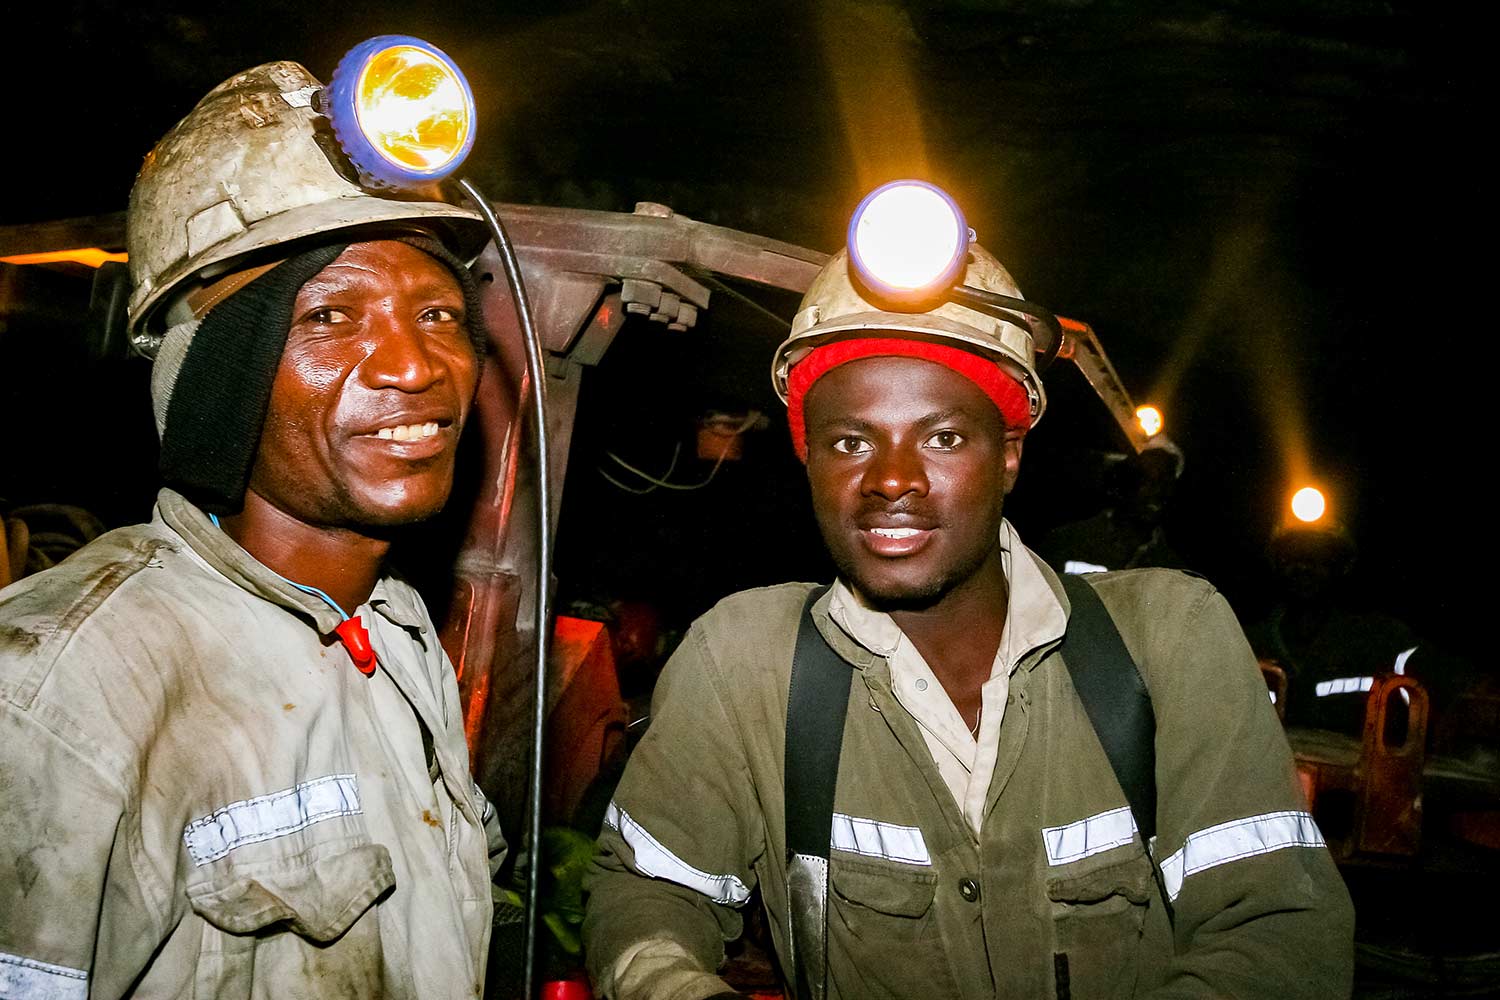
[1054, 897]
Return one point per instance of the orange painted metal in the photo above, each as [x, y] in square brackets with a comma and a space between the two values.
[1388, 819]
[1366, 794]
[586, 716]
[1275, 678]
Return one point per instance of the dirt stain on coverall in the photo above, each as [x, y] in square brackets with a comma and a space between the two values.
[26, 872]
[18, 640]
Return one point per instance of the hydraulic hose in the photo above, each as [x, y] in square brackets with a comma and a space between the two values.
[1005, 306]
[533, 346]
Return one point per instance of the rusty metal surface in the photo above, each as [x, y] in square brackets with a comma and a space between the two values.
[585, 714]
[664, 237]
[573, 261]
[615, 241]
[1372, 794]
[1276, 683]
[104, 231]
[1472, 779]
[1081, 346]
[488, 631]
[1388, 819]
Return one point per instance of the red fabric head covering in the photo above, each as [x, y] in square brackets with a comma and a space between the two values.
[1008, 395]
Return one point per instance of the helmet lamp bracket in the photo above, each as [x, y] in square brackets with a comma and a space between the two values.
[1006, 307]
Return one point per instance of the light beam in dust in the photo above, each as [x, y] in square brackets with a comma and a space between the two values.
[868, 50]
[1242, 303]
[1268, 345]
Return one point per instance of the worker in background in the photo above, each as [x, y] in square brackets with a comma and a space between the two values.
[1332, 649]
[231, 744]
[1130, 532]
[980, 844]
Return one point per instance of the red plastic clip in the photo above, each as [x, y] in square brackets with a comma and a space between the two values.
[357, 641]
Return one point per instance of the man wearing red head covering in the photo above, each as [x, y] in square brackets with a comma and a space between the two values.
[974, 840]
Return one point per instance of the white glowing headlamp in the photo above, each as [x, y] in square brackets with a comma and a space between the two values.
[1149, 419]
[402, 111]
[908, 242]
[1309, 505]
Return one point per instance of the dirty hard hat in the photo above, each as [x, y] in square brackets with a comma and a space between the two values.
[995, 353]
[249, 177]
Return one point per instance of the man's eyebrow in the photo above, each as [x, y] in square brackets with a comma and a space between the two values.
[842, 422]
[430, 285]
[433, 283]
[945, 415]
[857, 425]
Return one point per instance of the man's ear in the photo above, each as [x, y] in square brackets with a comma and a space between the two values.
[1011, 456]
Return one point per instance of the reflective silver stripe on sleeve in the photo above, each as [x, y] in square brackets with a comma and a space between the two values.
[875, 839]
[1088, 837]
[489, 808]
[26, 977]
[267, 817]
[651, 858]
[1241, 838]
[1343, 685]
[1078, 567]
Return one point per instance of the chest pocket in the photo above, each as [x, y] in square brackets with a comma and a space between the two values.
[283, 928]
[879, 902]
[884, 938]
[1098, 918]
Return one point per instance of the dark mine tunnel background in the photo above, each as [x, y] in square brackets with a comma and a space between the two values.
[1272, 214]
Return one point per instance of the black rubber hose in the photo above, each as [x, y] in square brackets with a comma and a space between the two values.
[1005, 306]
[544, 562]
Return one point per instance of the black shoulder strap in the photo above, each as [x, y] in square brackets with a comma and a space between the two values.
[1116, 701]
[815, 711]
[1114, 696]
[818, 701]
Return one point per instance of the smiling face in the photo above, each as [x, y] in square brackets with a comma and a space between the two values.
[909, 464]
[373, 388]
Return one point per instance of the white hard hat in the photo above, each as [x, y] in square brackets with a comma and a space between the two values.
[834, 308]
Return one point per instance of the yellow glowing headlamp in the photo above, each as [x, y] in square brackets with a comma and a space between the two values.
[1150, 420]
[402, 111]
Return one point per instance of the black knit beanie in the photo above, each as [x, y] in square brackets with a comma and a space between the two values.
[220, 394]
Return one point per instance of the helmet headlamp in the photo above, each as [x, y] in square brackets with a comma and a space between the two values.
[909, 250]
[1309, 505]
[908, 242]
[402, 111]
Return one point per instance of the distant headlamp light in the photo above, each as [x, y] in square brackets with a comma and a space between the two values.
[402, 110]
[1308, 504]
[908, 242]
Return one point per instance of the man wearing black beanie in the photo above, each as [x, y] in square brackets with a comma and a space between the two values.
[232, 747]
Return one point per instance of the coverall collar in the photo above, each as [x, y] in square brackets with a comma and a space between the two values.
[1036, 617]
[223, 554]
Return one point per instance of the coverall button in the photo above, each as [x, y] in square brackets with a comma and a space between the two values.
[968, 889]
